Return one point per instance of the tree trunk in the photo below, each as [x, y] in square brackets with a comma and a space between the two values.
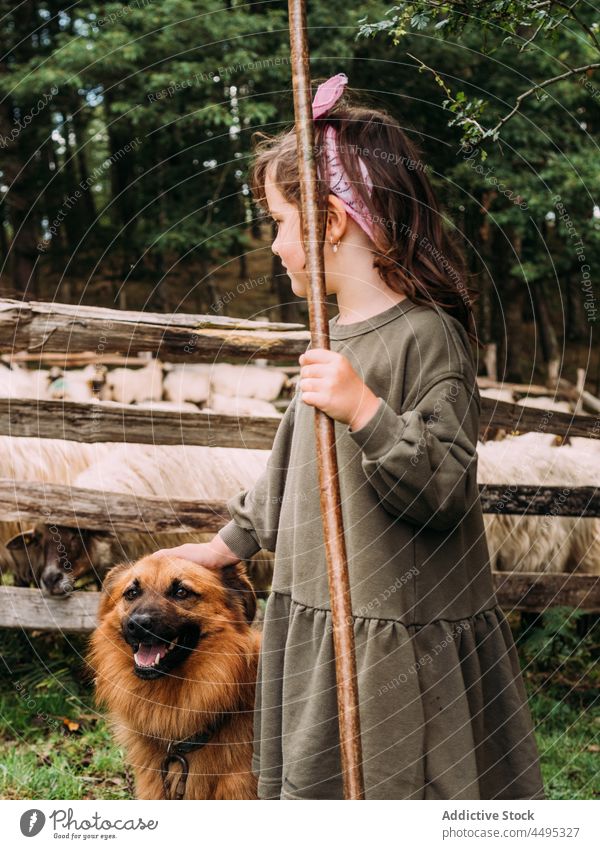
[576, 324]
[57, 249]
[122, 197]
[255, 228]
[543, 322]
[483, 262]
[512, 339]
[87, 200]
[509, 320]
[548, 338]
[20, 202]
[72, 202]
[3, 238]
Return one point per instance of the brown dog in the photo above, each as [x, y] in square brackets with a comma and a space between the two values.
[175, 661]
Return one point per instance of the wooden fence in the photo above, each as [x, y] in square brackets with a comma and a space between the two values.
[54, 329]
[38, 327]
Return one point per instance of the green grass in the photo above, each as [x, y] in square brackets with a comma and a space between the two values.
[55, 745]
[562, 678]
[566, 739]
[53, 742]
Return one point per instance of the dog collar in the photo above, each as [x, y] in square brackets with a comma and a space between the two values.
[177, 751]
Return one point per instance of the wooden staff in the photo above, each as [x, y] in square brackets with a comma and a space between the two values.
[331, 510]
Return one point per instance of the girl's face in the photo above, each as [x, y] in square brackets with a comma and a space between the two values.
[288, 242]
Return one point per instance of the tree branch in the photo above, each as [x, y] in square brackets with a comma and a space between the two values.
[581, 23]
[534, 88]
[466, 119]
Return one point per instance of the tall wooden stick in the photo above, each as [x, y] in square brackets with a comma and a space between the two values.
[333, 529]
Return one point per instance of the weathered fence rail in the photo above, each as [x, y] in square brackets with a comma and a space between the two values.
[77, 613]
[122, 513]
[111, 422]
[534, 593]
[47, 330]
[32, 610]
[101, 422]
[516, 417]
[34, 326]
[75, 507]
[582, 501]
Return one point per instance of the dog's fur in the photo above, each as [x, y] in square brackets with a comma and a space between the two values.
[211, 669]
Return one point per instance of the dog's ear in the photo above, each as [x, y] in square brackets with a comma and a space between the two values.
[108, 586]
[24, 540]
[113, 575]
[236, 581]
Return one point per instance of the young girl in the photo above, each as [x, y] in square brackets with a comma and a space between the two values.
[443, 709]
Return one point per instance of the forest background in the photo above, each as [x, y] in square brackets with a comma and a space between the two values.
[126, 133]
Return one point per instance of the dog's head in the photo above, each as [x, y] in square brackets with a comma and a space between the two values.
[53, 557]
[163, 609]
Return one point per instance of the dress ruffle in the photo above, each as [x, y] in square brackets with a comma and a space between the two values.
[443, 708]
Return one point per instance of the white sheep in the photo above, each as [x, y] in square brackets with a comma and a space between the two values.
[539, 437]
[545, 402]
[169, 406]
[536, 437]
[188, 382]
[548, 438]
[45, 461]
[583, 443]
[528, 543]
[79, 385]
[24, 458]
[213, 383]
[18, 382]
[134, 385]
[247, 381]
[498, 394]
[540, 403]
[175, 471]
[168, 472]
[240, 406]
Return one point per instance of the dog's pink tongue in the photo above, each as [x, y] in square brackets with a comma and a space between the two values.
[146, 655]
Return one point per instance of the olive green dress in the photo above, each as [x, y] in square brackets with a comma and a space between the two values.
[443, 708]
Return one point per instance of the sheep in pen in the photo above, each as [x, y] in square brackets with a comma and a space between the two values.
[59, 559]
[545, 544]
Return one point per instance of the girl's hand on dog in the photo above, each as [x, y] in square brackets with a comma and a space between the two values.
[213, 554]
[329, 382]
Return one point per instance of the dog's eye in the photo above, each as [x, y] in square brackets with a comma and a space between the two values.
[131, 593]
[181, 592]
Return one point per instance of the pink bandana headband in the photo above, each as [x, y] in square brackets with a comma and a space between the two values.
[327, 95]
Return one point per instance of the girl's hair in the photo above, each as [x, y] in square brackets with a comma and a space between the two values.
[414, 254]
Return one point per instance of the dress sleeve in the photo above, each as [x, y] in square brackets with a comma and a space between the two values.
[255, 512]
[423, 462]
